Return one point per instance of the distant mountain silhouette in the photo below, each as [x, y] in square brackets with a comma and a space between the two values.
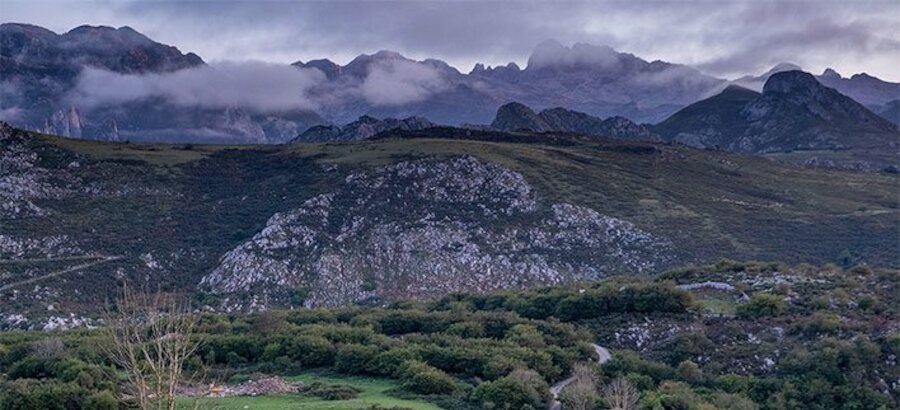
[794, 112]
[516, 116]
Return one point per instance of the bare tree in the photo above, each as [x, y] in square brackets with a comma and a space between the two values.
[620, 395]
[48, 348]
[582, 393]
[150, 338]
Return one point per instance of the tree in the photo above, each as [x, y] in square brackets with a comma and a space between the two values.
[620, 395]
[582, 393]
[150, 337]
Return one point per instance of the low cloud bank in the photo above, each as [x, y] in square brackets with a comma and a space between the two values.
[258, 86]
[255, 85]
[397, 82]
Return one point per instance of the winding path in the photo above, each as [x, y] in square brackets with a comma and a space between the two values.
[100, 259]
[603, 356]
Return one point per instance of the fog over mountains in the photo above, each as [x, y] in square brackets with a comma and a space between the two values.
[116, 84]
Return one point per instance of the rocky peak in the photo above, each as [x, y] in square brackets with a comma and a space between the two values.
[28, 31]
[515, 116]
[792, 82]
[360, 66]
[552, 54]
[502, 72]
[102, 36]
[326, 66]
[780, 67]
[830, 73]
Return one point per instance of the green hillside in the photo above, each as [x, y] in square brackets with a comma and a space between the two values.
[164, 215]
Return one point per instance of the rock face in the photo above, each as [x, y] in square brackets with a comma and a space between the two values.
[364, 127]
[516, 116]
[423, 228]
[890, 111]
[794, 112]
[39, 70]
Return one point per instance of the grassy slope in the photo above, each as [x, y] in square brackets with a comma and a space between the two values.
[725, 204]
[208, 199]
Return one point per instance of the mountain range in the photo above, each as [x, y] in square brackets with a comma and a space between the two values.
[41, 72]
[581, 89]
[364, 127]
[794, 112]
[517, 116]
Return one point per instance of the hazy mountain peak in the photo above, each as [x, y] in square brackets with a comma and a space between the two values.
[791, 82]
[864, 77]
[326, 66]
[26, 29]
[510, 68]
[783, 67]
[552, 53]
[734, 88]
[105, 34]
[831, 73]
[388, 55]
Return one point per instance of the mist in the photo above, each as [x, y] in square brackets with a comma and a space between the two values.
[258, 86]
[397, 82]
[253, 85]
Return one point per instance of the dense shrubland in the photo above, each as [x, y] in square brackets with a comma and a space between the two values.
[782, 338]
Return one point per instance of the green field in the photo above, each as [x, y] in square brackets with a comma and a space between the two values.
[374, 392]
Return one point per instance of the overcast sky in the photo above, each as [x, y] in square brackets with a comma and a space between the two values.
[724, 38]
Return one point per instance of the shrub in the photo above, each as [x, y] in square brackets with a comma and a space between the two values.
[520, 390]
[354, 358]
[102, 400]
[820, 323]
[466, 329]
[389, 362]
[688, 371]
[311, 351]
[762, 305]
[332, 391]
[421, 378]
[34, 395]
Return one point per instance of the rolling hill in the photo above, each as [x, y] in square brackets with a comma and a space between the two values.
[406, 214]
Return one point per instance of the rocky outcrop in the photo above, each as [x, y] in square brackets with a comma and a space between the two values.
[23, 182]
[423, 228]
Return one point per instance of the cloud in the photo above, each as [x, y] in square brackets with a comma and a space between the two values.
[254, 85]
[261, 87]
[397, 82]
[11, 114]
